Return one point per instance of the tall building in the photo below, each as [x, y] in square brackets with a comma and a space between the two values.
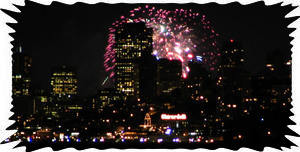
[168, 75]
[232, 77]
[199, 82]
[148, 77]
[132, 41]
[235, 85]
[63, 83]
[40, 101]
[109, 96]
[21, 82]
[21, 73]
[203, 93]
[233, 55]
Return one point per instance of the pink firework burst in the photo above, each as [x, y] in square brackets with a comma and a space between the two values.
[178, 34]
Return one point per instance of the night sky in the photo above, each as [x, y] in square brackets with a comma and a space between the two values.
[76, 35]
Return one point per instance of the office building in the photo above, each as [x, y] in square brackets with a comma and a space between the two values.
[168, 75]
[63, 83]
[132, 40]
[21, 73]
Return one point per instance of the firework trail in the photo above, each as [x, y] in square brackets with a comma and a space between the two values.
[178, 34]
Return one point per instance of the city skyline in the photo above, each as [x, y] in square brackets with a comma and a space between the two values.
[88, 57]
[171, 78]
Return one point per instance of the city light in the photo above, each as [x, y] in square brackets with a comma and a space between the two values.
[176, 140]
[269, 65]
[165, 81]
[191, 139]
[168, 131]
[142, 140]
[201, 97]
[7, 140]
[240, 136]
[160, 140]
[29, 139]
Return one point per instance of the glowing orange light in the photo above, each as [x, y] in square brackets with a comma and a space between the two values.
[269, 65]
[173, 116]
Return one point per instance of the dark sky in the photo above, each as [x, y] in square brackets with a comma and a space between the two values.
[76, 35]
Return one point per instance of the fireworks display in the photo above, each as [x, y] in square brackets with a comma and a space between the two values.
[178, 34]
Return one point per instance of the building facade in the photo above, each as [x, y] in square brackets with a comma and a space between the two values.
[63, 83]
[168, 75]
[21, 77]
[132, 41]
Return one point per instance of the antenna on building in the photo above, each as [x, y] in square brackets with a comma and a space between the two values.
[20, 49]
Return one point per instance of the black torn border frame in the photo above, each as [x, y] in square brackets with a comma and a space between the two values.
[18, 16]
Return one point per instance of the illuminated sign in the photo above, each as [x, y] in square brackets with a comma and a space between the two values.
[173, 116]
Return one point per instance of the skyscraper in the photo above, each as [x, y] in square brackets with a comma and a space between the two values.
[132, 41]
[234, 84]
[232, 77]
[21, 82]
[168, 75]
[21, 73]
[148, 76]
[233, 56]
[198, 81]
[63, 82]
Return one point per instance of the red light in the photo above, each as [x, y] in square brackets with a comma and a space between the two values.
[173, 116]
[231, 40]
